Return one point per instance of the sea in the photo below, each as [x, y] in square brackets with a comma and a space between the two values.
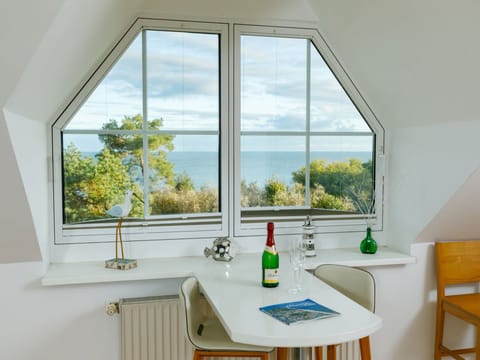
[255, 166]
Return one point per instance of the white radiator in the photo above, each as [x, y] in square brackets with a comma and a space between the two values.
[152, 329]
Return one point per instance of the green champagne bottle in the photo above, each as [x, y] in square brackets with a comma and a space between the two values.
[270, 261]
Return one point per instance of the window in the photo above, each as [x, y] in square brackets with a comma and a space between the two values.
[214, 134]
[293, 112]
[151, 125]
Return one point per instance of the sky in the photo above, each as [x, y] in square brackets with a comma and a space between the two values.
[183, 87]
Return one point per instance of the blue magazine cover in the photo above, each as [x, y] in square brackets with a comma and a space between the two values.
[298, 311]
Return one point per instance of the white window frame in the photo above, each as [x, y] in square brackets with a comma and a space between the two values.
[156, 227]
[292, 224]
[228, 221]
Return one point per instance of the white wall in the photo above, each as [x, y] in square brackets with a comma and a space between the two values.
[413, 61]
[406, 303]
[18, 240]
[59, 323]
[31, 151]
[427, 165]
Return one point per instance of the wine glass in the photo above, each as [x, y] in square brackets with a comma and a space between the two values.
[296, 252]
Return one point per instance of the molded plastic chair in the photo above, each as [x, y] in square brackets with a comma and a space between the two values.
[457, 262]
[358, 285]
[205, 331]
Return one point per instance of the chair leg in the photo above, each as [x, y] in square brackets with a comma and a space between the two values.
[282, 353]
[365, 348]
[477, 344]
[318, 352]
[331, 352]
[201, 354]
[439, 330]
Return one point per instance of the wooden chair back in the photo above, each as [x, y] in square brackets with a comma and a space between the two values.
[457, 262]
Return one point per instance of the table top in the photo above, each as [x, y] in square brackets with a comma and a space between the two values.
[235, 292]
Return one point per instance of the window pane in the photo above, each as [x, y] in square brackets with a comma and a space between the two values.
[267, 166]
[118, 95]
[341, 172]
[278, 82]
[273, 83]
[183, 79]
[96, 179]
[331, 108]
[193, 183]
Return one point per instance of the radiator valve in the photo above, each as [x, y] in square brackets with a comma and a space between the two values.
[112, 308]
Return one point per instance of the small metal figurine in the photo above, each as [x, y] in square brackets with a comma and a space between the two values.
[309, 237]
[220, 250]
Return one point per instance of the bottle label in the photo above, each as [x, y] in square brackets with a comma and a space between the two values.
[271, 250]
[270, 276]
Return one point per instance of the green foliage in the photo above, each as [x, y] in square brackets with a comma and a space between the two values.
[349, 182]
[319, 199]
[183, 182]
[129, 147]
[182, 201]
[345, 186]
[278, 194]
[251, 195]
[92, 186]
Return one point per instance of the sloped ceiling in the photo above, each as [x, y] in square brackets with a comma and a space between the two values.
[458, 219]
[414, 61]
[23, 24]
[77, 39]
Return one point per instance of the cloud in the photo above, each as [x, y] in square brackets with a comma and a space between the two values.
[183, 86]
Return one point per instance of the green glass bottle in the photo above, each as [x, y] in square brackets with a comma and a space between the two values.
[368, 245]
[270, 261]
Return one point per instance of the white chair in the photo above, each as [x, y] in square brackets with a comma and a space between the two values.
[205, 331]
[358, 285]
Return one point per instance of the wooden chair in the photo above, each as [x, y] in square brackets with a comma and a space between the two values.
[358, 285]
[457, 262]
[205, 331]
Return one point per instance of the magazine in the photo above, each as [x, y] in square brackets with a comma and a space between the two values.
[298, 311]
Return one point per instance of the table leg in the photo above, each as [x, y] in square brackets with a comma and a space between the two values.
[331, 352]
[365, 348]
[298, 354]
[282, 353]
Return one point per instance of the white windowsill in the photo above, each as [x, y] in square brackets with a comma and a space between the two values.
[179, 267]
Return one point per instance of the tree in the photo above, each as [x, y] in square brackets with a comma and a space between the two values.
[92, 186]
[251, 195]
[319, 199]
[129, 147]
[349, 182]
[279, 194]
[77, 174]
